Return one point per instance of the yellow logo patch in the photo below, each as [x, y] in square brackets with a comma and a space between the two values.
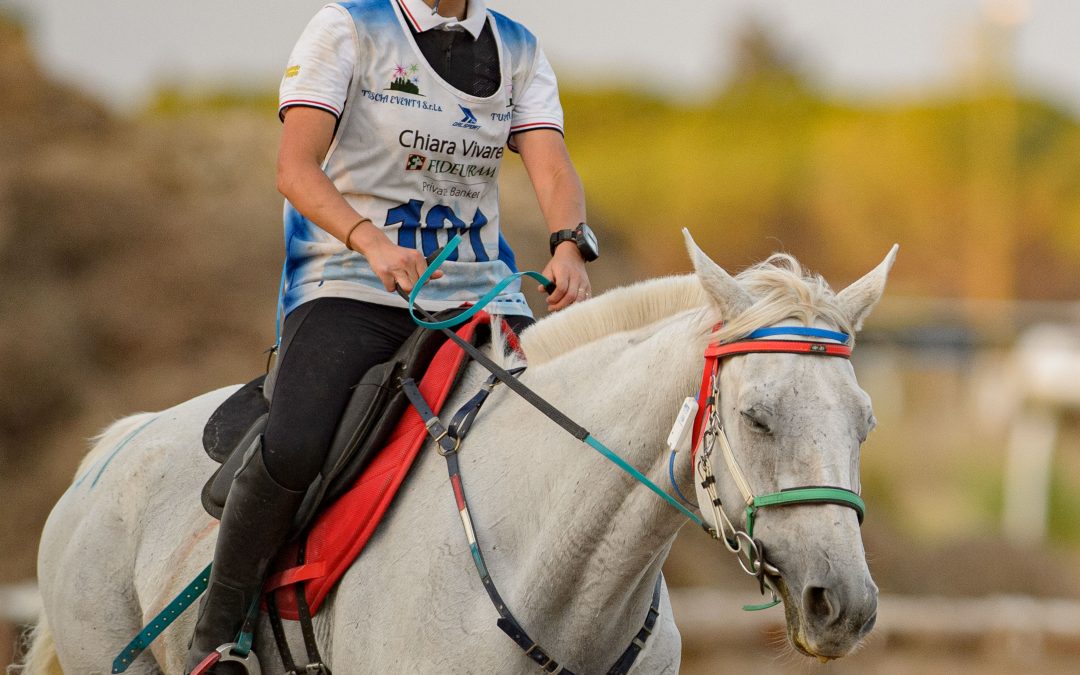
[292, 71]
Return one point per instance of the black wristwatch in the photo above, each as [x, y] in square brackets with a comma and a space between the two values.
[583, 236]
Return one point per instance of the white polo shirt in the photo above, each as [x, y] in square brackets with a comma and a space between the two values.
[411, 152]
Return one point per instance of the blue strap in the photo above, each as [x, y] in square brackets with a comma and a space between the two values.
[674, 483]
[447, 250]
[798, 330]
[163, 620]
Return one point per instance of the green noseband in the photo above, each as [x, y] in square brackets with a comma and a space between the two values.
[805, 495]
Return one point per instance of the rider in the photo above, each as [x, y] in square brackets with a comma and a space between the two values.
[395, 116]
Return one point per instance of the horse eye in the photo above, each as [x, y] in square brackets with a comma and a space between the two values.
[871, 423]
[752, 419]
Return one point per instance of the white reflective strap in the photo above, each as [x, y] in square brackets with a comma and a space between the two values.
[679, 437]
[733, 468]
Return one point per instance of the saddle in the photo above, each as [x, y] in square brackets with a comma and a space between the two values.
[235, 428]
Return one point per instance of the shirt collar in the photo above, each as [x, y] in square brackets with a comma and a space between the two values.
[419, 15]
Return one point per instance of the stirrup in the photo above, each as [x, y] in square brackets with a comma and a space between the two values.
[224, 654]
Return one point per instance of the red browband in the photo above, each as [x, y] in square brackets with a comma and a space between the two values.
[788, 346]
[715, 352]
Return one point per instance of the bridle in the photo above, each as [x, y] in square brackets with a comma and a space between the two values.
[708, 433]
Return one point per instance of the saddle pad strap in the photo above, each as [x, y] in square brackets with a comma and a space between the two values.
[295, 575]
[279, 634]
[307, 629]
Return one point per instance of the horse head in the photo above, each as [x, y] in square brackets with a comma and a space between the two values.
[792, 421]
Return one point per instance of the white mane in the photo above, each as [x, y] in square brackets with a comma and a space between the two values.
[617, 310]
[779, 287]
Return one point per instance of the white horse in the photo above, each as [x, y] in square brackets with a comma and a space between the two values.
[574, 544]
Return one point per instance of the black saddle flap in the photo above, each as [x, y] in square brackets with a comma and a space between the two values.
[217, 488]
[230, 422]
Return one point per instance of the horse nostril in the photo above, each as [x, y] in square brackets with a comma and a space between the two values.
[817, 604]
[869, 625]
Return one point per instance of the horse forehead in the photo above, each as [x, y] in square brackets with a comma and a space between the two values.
[796, 380]
[795, 376]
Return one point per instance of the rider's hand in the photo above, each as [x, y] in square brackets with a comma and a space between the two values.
[567, 270]
[395, 265]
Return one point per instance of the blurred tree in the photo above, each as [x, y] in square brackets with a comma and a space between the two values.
[759, 58]
[980, 185]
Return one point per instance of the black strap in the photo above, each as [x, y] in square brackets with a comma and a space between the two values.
[504, 376]
[434, 425]
[279, 633]
[626, 661]
[307, 629]
[315, 664]
[463, 418]
[507, 623]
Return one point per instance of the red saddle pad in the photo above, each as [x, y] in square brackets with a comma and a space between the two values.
[343, 528]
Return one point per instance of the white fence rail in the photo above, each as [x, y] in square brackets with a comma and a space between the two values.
[19, 603]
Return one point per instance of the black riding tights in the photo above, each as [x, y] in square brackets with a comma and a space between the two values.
[328, 344]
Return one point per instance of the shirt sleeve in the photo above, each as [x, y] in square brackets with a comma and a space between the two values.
[321, 64]
[537, 106]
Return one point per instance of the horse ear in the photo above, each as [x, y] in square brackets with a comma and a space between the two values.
[859, 298]
[721, 286]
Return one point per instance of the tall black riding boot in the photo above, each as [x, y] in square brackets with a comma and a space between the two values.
[257, 517]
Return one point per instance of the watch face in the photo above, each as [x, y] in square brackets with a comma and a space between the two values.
[587, 243]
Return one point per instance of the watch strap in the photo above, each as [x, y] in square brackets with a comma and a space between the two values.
[559, 237]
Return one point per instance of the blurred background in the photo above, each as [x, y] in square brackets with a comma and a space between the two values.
[140, 247]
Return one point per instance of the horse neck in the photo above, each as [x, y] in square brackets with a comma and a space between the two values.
[603, 537]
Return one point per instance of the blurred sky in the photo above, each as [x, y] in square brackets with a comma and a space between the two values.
[122, 49]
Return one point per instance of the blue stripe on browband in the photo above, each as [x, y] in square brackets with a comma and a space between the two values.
[798, 330]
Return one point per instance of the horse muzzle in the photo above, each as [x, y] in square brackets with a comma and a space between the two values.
[827, 615]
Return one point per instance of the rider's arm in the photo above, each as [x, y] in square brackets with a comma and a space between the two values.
[562, 201]
[305, 138]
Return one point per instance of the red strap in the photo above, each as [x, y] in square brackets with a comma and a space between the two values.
[293, 575]
[204, 665]
[512, 339]
[788, 346]
[703, 397]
